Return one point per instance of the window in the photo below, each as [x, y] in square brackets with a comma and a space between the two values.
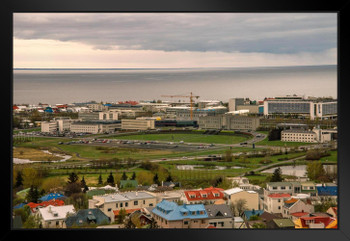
[185, 222]
[193, 213]
[279, 200]
[136, 202]
[283, 188]
[116, 205]
[126, 204]
[109, 209]
[121, 205]
[144, 201]
[274, 188]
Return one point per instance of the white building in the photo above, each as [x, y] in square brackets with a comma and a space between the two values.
[126, 200]
[138, 124]
[55, 216]
[251, 197]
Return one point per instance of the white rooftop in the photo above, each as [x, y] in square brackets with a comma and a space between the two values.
[56, 212]
[233, 191]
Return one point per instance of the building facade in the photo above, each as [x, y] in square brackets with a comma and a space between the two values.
[138, 124]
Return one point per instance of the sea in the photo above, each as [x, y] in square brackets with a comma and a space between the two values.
[67, 86]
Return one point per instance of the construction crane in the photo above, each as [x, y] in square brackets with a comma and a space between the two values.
[191, 96]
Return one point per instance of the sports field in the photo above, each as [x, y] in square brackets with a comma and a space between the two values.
[190, 138]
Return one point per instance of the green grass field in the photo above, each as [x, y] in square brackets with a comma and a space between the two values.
[189, 138]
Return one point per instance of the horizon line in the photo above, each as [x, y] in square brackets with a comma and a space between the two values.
[143, 68]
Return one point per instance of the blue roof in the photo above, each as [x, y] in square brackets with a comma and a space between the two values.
[249, 213]
[51, 196]
[21, 205]
[172, 211]
[327, 191]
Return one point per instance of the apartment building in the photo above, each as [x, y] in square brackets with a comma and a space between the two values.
[138, 124]
[235, 194]
[171, 215]
[109, 204]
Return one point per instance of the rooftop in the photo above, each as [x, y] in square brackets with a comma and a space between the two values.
[171, 211]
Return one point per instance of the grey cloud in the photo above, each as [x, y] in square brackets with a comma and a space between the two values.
[224, 32]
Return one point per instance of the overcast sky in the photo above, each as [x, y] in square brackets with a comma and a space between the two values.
[167, 40]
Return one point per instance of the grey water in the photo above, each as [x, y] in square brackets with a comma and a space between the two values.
[65, 86]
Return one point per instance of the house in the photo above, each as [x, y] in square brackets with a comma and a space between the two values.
[85, 217]
[126, 200]
[297, 215]
[274, 202]
[327, 191]
[308, 188]
[34, 207]
[51, 196]
[243, 183]
[296, 205]
[171, 215]
[251, 197]
[171, 184]
[316, 222]
[220, 216]
[128, 184]
[291, 188]
[21, 205]
[333, 211]
[281, 223]
[262, 220]
[172, 196]
[206, 196]
[54, 217]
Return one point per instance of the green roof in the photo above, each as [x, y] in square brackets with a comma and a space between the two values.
[284, 222]
[23, 193]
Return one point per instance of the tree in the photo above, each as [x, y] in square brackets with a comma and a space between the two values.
[53, 184]
[133, 176]
[83, 184]
[33, 194]
[144, 178]
[277, 175]
[110, 179]
[315, 171]
[72, 188]
[169, 178]
[124, 176]
[241, 206]
[121, 216]
[259, 225]
[156, 179]
[73, 178]
[228, 155]
[100, 179]
[33, 221]
[79, 201]
[19, 180]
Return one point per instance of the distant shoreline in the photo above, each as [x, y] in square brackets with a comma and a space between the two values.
[258, 67]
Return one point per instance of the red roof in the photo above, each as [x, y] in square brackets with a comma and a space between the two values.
[56, 202]
[299, 214]
[279, 195]
[15, 107]
[128, 211]
[317, 219]
[211, 226]
[199, 194]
